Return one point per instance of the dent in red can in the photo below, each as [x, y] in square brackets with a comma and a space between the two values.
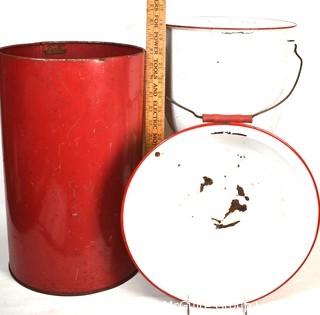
[72, 131]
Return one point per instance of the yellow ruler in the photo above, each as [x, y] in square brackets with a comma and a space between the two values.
[155, 73]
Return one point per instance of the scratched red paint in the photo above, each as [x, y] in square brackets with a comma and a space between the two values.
[72, 129]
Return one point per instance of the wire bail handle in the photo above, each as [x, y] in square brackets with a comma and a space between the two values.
[238, 118]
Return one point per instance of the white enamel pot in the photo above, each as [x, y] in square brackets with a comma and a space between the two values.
[220, 65]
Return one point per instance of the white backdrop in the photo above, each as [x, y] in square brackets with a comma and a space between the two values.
[124, 21]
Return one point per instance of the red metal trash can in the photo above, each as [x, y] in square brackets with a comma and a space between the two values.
[72, 133]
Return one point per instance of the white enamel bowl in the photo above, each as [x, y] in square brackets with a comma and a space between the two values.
[178, 194]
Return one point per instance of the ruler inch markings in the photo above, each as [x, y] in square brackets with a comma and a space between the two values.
[155, 73]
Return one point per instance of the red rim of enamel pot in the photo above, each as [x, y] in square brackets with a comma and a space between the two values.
[220, 23]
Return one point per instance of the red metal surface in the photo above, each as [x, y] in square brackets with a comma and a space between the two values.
[218, 119]
[72, 131]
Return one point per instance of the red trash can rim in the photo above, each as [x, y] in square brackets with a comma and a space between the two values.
[70, 51]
